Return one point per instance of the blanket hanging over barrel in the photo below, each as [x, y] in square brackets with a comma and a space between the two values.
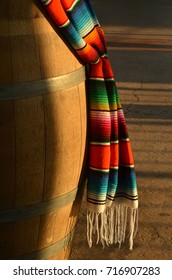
[111, 189]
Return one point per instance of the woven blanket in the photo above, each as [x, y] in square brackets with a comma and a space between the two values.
[111, 188]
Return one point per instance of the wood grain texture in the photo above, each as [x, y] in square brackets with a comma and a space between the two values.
[42, 138]
[63, 142]
[30, 150]
[7, 155]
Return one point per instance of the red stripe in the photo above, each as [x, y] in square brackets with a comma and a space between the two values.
[67, 3]
[108, 73]
[57, 12]
[99, 156]
[114, 161]
[125, 156]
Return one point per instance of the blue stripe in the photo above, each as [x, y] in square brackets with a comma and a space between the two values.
[97, 182]
[81, 18]
[73, 37]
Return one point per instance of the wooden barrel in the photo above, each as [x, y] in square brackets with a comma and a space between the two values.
[42, 136]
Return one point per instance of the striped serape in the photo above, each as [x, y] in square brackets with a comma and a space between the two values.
[111, 188]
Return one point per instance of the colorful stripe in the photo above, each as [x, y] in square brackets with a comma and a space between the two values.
[111, 171]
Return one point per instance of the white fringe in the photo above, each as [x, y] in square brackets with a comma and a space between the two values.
[110, 226]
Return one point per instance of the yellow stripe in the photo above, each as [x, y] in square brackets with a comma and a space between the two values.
[114, 142]
[100, 143]
[114, 167]
[99, 169]
[125, 140]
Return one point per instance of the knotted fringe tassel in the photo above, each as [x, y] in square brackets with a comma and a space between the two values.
[110, 226]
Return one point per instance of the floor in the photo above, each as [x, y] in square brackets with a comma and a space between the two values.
[139, 40]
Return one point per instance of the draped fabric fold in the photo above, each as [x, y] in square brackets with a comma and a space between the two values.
[111, 188]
